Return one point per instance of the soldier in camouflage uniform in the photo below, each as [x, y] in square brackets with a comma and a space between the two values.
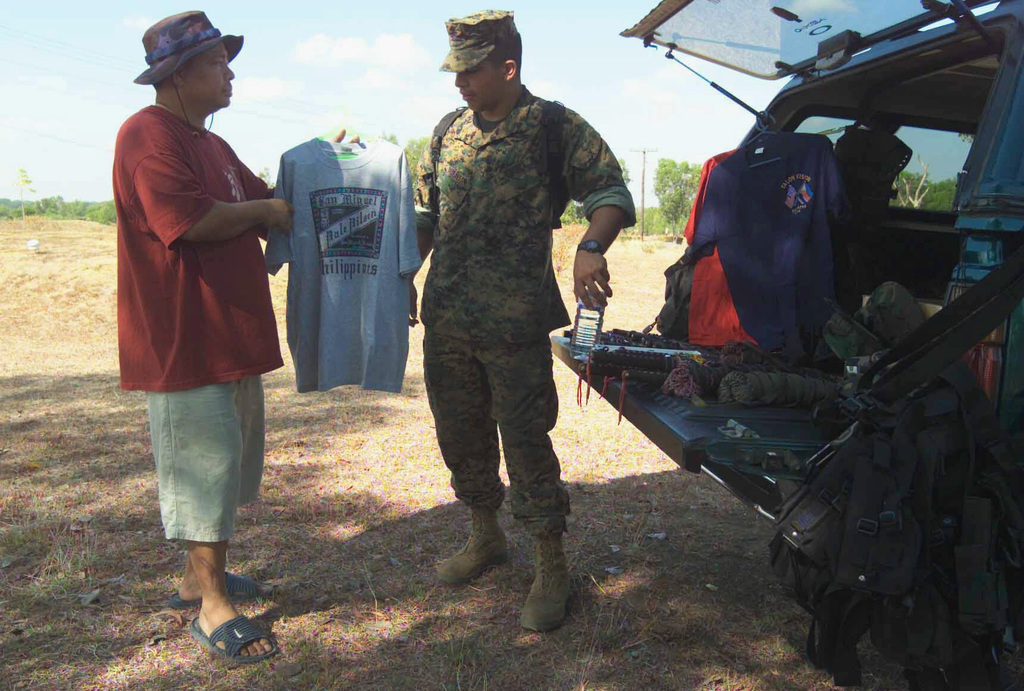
[491, 299]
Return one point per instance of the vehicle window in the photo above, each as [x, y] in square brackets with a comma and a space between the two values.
[928, 183]
[830, 127]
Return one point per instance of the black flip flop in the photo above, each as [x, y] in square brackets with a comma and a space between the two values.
[240, 589]
[235, 634]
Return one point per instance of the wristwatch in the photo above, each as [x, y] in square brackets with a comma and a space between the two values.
[590, 246]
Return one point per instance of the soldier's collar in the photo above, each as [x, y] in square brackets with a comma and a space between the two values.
[515, 121]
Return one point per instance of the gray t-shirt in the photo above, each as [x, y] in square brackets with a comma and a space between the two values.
[352, 251]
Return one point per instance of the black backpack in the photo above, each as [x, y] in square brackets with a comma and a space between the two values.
[552, 117]
[909, 525]
[673, 320]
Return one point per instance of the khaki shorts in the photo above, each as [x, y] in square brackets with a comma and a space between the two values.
[208, 444]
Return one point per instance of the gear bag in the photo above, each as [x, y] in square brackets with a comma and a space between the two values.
[551, 119]
[674, 319]
[910, 525]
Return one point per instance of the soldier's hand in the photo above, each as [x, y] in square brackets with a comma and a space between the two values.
[279, 215]
[413, 308]
[590, 279]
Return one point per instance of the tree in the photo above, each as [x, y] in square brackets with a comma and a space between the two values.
[53, 207]
[389, 138]
[102, 212]
[912, 188]
[675, 184]
[625, 170]
[264, 175]
[413, 150]
[24, 184]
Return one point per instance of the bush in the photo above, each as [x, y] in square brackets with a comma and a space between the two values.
[102, 212]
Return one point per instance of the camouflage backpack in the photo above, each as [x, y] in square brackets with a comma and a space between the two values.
[909, 524]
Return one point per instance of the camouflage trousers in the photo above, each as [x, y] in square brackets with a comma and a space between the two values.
[477, 389]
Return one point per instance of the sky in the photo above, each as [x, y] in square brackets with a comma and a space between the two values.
[307, 68]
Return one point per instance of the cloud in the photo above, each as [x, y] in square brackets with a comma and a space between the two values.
[324, 50]
[378, 79]
[139, 22]
[399, 52]
[264, 89]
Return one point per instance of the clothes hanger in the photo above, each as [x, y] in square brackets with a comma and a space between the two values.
[764, 122]
[340, 149]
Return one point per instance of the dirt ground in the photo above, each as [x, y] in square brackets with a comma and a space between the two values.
[355, 512]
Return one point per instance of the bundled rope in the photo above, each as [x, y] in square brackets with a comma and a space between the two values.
[775, 389]
[689, 378]
[741, 354]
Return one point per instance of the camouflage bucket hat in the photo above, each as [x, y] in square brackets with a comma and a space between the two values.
[173, 41]
[888, 316]
[891, 313]
[473, 38]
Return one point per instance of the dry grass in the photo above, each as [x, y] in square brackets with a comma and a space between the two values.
[355, 511]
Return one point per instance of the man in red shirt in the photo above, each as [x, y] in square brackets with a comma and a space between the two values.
[196, 327]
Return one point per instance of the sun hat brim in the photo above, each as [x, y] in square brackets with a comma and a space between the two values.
[166, 67]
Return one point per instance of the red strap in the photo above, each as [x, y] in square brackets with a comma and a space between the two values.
[622, 394]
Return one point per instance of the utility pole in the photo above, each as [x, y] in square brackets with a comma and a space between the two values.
[643, 189]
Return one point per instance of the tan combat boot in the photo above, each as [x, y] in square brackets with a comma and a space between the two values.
[487, 547]
[545, 606]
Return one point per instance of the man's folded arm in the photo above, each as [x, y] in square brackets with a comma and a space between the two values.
[228, 220]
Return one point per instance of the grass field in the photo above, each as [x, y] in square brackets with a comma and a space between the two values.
[355, 512]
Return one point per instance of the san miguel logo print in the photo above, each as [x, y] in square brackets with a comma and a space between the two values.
[799, 192]
[349, 225]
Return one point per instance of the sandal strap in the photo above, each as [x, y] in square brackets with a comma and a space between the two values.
[240, 585]
[237, 633]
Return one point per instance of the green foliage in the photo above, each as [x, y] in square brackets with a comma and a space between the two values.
[413, 150]
[389, 138]
[675, 184]
[57, 209]
[655, 221]
[573, 214]
[625, 171]
[52, 207]
[102, 212]
[23, 182]
[916, 191]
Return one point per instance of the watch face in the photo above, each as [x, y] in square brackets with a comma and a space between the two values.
[591, 246]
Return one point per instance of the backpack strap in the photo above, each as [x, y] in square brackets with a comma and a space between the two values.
[936, 344]
[552, 120]
[840, 621]
[436, 140]
[552, 117]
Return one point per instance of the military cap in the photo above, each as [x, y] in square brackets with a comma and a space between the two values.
[473, 38]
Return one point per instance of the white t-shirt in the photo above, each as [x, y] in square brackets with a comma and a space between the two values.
[352, 250]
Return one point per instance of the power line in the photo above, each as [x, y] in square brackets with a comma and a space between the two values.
[307, 110]
[111, 62]
[88, 56]
[55, 138]
[28, 37]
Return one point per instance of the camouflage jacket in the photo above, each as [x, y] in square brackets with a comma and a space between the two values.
[490, 273]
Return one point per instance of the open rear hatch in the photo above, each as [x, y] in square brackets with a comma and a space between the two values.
[771, 39]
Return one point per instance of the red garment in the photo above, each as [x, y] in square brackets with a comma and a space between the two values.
[713, 318]
[189, 314]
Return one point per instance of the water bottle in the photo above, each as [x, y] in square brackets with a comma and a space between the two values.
[585, 330]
